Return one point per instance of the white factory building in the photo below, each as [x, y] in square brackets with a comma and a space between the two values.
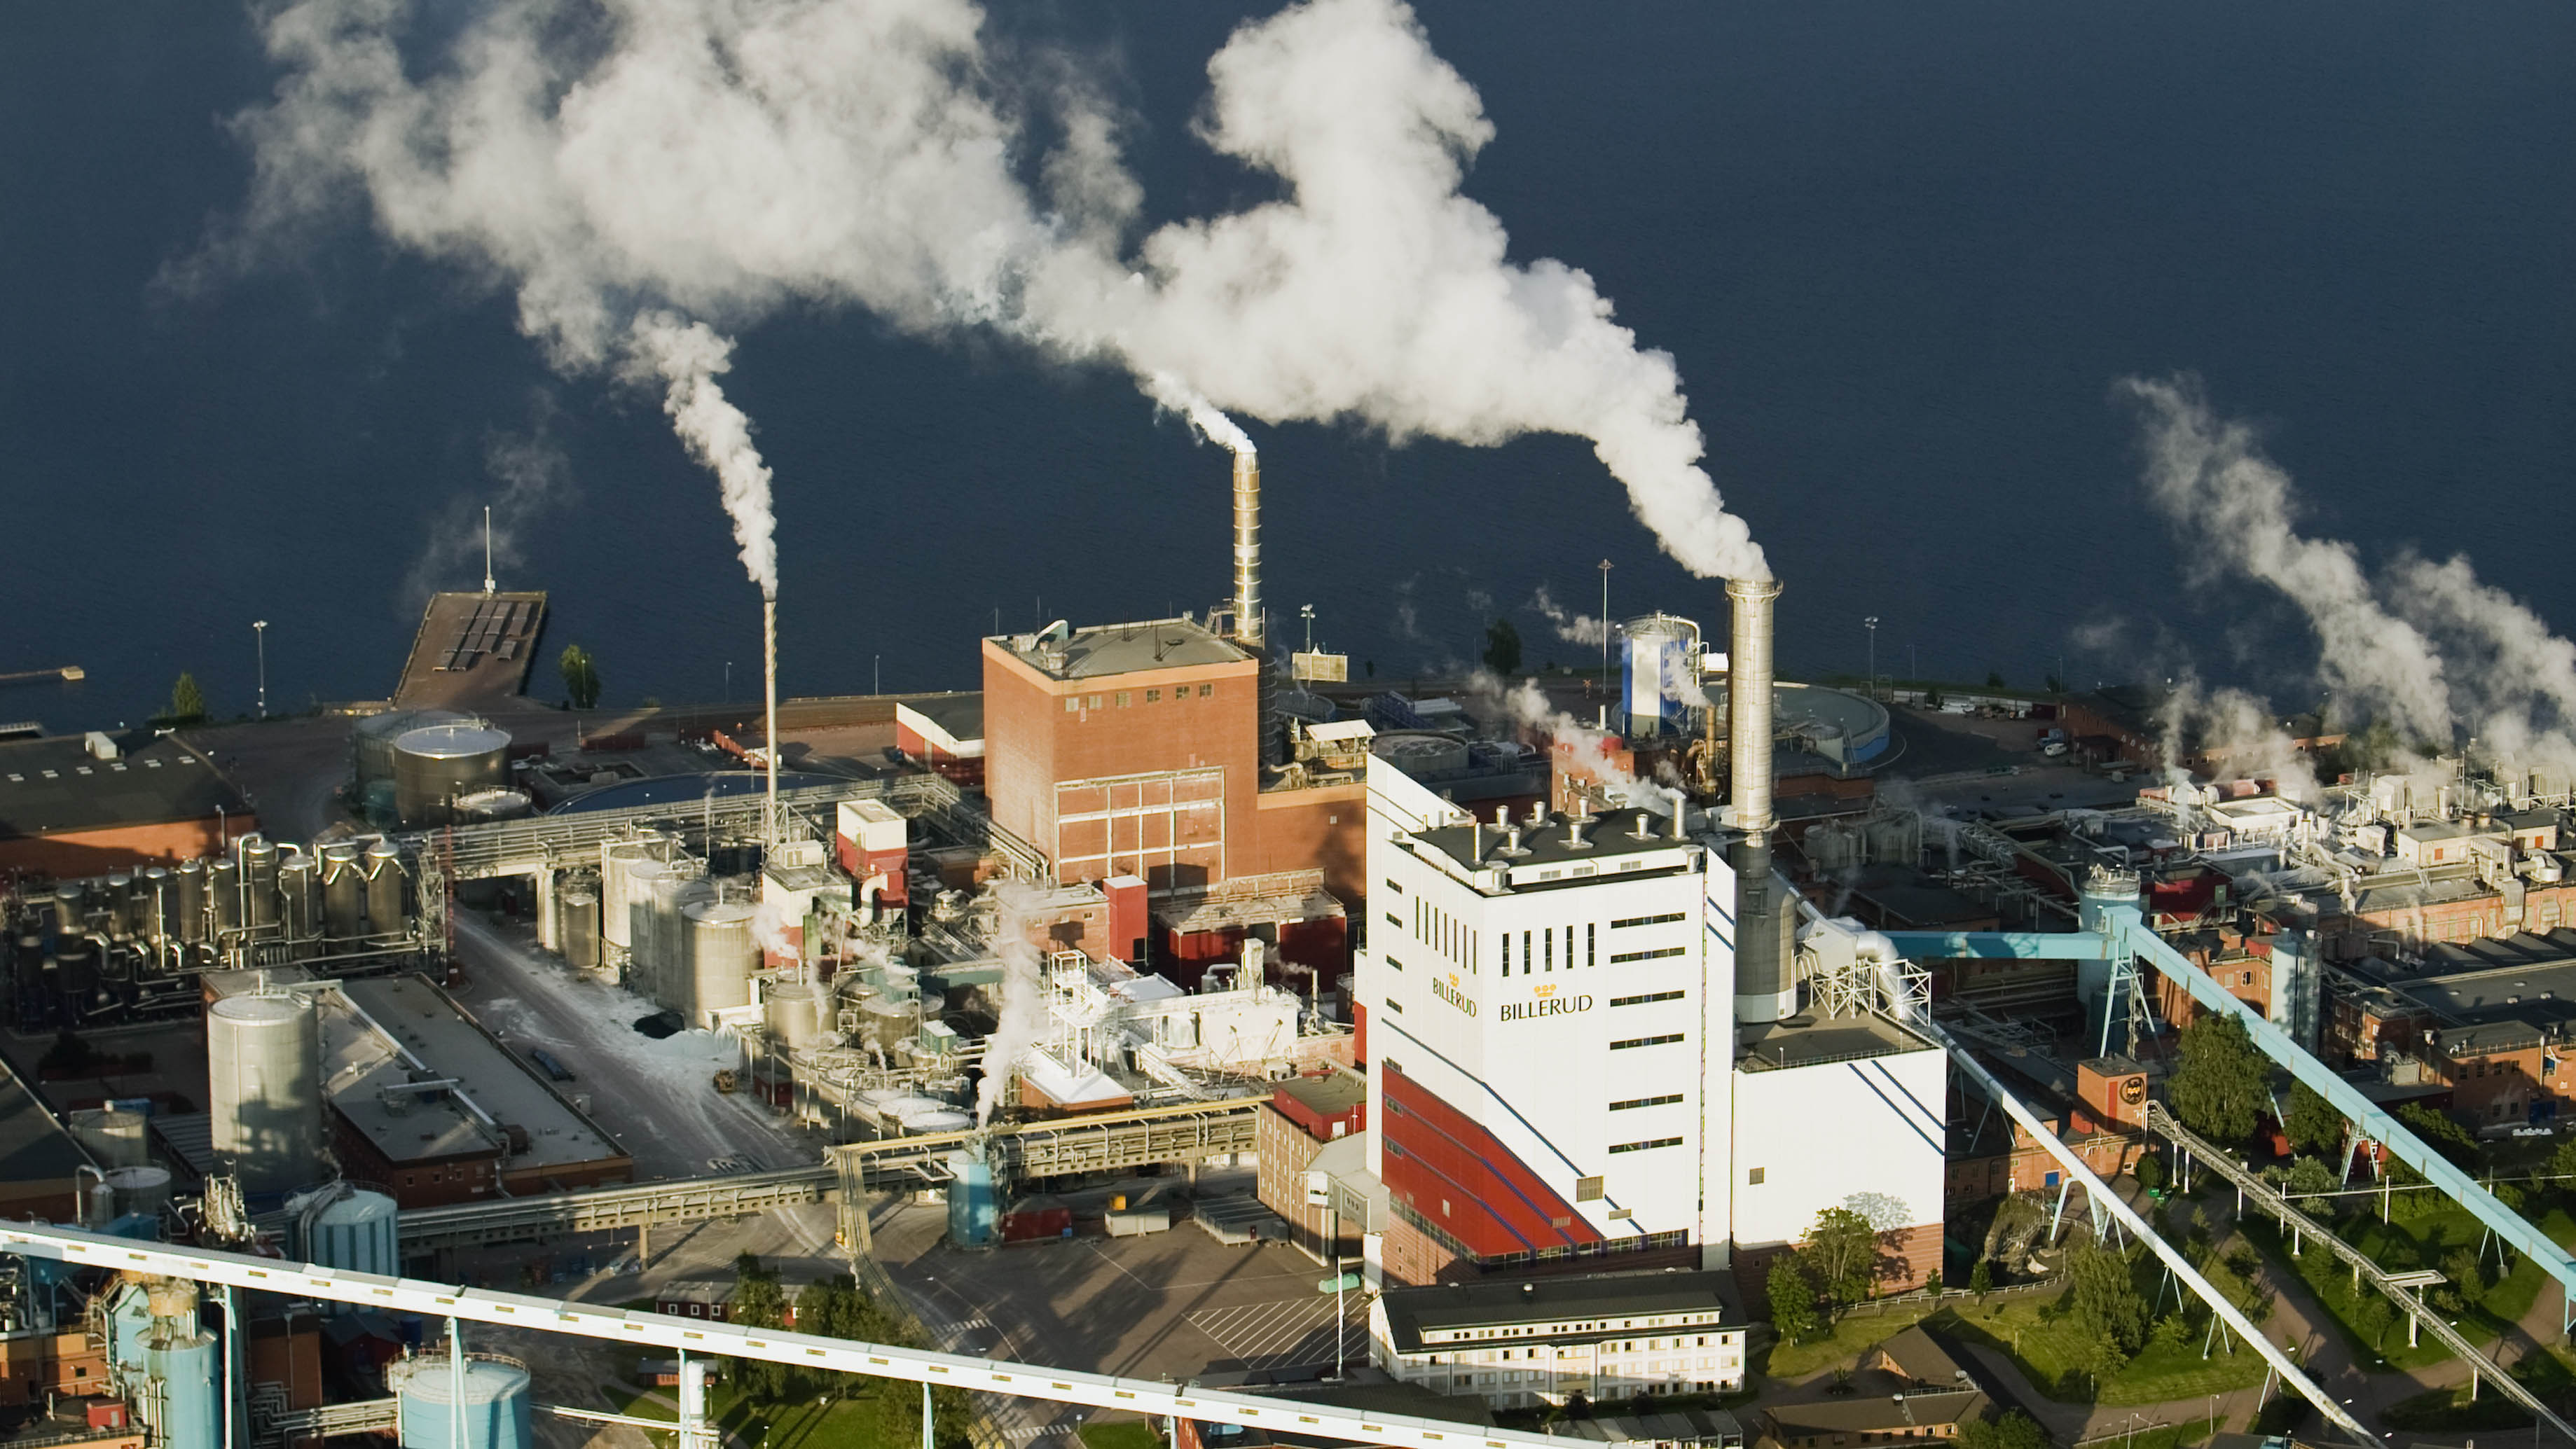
[1619, 1040]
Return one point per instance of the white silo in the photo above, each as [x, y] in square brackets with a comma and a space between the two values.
[264, 1080]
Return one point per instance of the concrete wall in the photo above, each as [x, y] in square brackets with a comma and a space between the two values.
[1882, 1120]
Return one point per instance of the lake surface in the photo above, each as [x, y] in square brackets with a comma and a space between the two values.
[1901, 253]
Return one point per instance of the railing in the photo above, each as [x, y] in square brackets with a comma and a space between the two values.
[2195, 1148]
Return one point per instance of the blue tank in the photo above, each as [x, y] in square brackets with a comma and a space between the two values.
[495, 1404]
[974, 1211]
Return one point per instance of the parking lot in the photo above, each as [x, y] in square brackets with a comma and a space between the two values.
[1174, 1304]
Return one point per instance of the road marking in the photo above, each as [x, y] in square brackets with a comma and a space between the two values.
[1294, 1331]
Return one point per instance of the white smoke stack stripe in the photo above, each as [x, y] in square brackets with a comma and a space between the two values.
[1247, 548]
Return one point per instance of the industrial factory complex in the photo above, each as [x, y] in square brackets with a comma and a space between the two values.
[1543, 1019]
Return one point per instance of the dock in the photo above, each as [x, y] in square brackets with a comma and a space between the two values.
[66, 673]
[472, 651]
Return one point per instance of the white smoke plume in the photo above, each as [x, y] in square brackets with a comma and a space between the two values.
[2236, 735]
[2429, 648]
[1576, 748]
[1211, 424]
[1571, 627]
[688, 358]
[719, 159]
[535, 479]
[1021, 1014]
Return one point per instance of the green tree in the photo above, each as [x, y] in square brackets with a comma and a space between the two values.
[1842, 1248]
[1994, 679]
[2221, 1085]
[1793, 1300]
[1981, 1278]
[187, 701]
[2104, 1304]
[1502, 647]
[2309, 1175]
[2149, 1171]
[2371, 1315]
[580, 676]
[2015, 1430]
[759, 1302]
[2313, 1124]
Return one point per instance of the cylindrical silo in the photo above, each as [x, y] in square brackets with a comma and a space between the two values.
[722, 955]
[1659, 672]
[116, 896]
[156, 899]
[223, 889]
[344, 887]
[113, 1137]
[299, 898]
[371, 741]
[144, 1189]
[192, 900]
[264, 1070]
[436, 764]
[388, 888]
[180, 1401]
[617, 862]
[579, 929]
[258, 860]
[793, 1012]
[358, 1232]
[495, 1406]
[71, 902]
[481, 806]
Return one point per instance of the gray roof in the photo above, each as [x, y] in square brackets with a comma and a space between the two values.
[54, 785]
[1612, 835]
[1623, 1297]
[1804, 1041]
[410, 1028]
[961, 714]
[1896, 1411]
[1109, 649]
[34, 1147]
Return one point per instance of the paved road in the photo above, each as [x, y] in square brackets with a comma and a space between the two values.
[656, 1098]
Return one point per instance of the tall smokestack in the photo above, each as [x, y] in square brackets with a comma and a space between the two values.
[1764, 990]
[769, 726]
[1247, 547]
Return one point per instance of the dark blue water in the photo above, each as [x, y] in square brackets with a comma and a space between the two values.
[1900, 252]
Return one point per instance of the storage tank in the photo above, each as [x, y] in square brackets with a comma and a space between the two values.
[223, 889]
[436, 765]
[885, 1021]
[488, 805]
[191, 875]
[344, 891]
[71, 904]
[144, 1190]
[299, 898]
[722, 954]
[793, 1013]
[357, 1232]
[617, 862]
[974, 1210]
[264, 1073]
[579, 929]
[388, 888]
[371, 740]
[112, 1136]
[156, 899]
[117, 897]
[494, 1408]
[258, 859]
[1658, 672]
[180, 1398]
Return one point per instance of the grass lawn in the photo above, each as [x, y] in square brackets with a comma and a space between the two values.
[2047, 1352]
[1121, 1434]
[2408, 1244]
[1859, 1329]
[863, 1414]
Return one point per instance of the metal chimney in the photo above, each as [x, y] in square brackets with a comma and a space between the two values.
[1764, 989]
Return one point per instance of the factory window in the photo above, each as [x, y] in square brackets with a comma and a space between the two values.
[1587, 1189]
[1507, 953]
[1125, 698]
[1646, 999]
[1391, 885]
[1665, 1100]
[1646, 1041]
[1395, 920]
[1206, 690]
[1153, 696]
[1072, 703]
[1095, 701]
[1392, 963]
[1527, 955]
[1754, 1177]
[1647, 1146]
[1395, 1006]
[1662, 920]
[1624, 957]
[1547, 948]
[1591, 945]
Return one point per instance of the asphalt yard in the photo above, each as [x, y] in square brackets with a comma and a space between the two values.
[1174, 1304]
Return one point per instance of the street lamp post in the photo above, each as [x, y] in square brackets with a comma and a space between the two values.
[1307, 613]
[728, 698]
[259, 631]
[876, 674]
[1871, 623]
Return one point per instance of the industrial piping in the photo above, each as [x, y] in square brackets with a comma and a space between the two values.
[1764, 990]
